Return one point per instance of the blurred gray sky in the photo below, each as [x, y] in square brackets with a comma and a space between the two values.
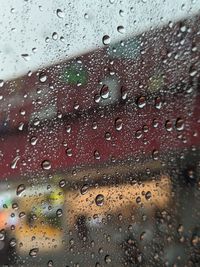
[26, 25]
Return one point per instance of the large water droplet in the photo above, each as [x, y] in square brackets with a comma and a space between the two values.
[141, 102]
[13, 242]
[59, 212]
[108, 259]
[84, 189]
[121, 29]
[46, 165]
[99, 200]
[60, 13]
[42, 77]
[33, 140]
[104, 92]
[33, 252]
[20, 189]
[14, 162]
[106, 39]
[118, 124]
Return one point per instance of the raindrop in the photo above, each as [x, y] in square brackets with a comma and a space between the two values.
[108, 259]
[106, 40]
[33, 252]
[2, 235]
[46, 165]
[179, 124]
[104, 92]
[13, 242]
[50, 263]
[26, 57]
[158, 103]
[21, 126]
[33, 140]
[96, 155]
[138, 200]
[168, 126]
[14, 162]
[54, 36]
[60, 13]
[69, 152]
[99, 200]
[118, 124]
[121, 29]
[141, 102]
[20, 189]
[148, 195]
[62, 183]
[108, 136]
[86, 16]
[155, 154]
[84, 189]
[1, 83]
[138, 134]
[59, 212]
[42, 77]
[121, 13]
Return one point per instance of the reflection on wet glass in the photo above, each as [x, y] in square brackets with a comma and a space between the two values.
[99, 153]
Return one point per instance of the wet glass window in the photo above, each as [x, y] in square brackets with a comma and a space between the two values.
[100, 133]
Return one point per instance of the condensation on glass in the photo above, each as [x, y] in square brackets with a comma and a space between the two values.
[99, 133]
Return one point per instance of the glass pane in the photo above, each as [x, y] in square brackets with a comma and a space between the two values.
[99, 133]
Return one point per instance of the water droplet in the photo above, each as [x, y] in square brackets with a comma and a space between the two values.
[148, 195]
[138, 134]
[104, 92]
[50, 263]
[46, 165]
[20, 189]
[108, 259]
[1, 83]
[62, 183]
[179, 124]
[55, 36]
[96, 155]
[155, 154]
[21, 126]
[34, 140]
[33, 252]
[106, 39]
[141, 102]
[118, 124]
[22, 214]
[14, 162]
[42, 77]
[86, 16]
[69, 152]
[13, 242]
[15, 206]
[99, 200]
[22, 111]
[158, 103]
[121, 29]
[108, 136]
[26, 57]
[60, 13]
[84, 189]
[168, 126]
[2, 234]
[138, 200]
[59, 212]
